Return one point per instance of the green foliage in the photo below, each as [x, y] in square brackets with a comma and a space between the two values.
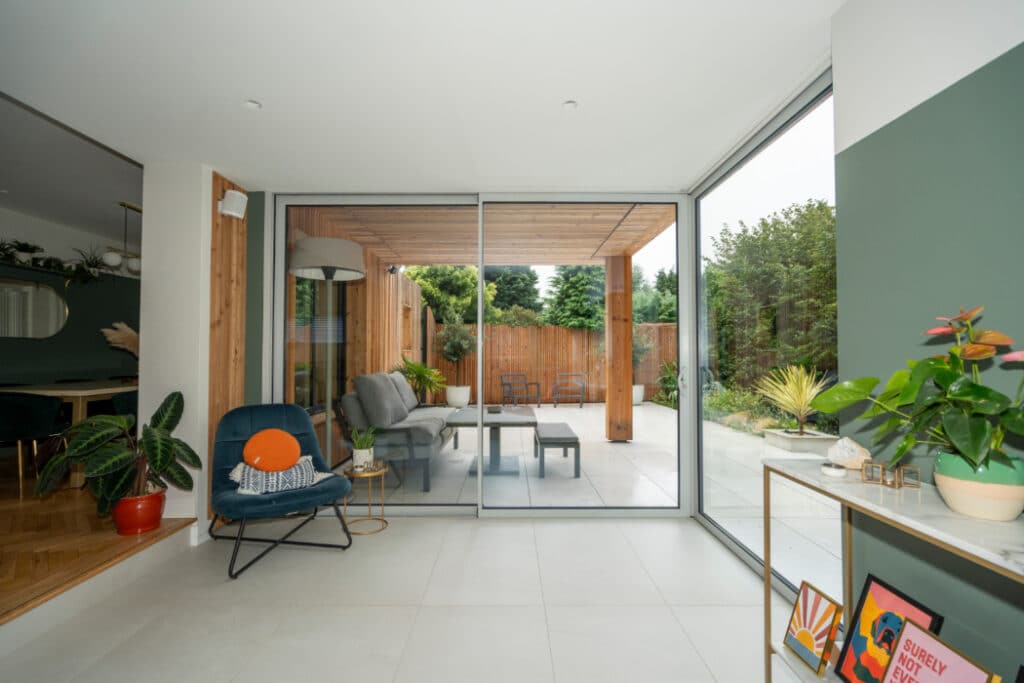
[422, 378]
[726, 401]
[517, 316]
[452, 288]
[792, 389]
[26, 247]
[304, 294]
[116, 463]
[455, 339]
[668, 387]
[515, 286]
[363, 439]
[771, 294]
[940, 402]
[577, 298]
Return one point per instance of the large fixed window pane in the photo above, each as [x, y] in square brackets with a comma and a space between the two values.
[768, 302]
[579, 333]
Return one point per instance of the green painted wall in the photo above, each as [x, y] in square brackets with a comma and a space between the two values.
[79, 350]
[254, 300]
[930, 217]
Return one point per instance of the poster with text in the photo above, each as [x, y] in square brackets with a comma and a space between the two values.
[920, 657]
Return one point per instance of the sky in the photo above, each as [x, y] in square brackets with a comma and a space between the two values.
[797, 166]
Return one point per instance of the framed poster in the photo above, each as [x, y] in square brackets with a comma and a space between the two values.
[877, 621]
[922, 657]
[812, 627]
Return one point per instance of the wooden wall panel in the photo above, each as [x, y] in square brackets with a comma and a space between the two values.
[227, 310]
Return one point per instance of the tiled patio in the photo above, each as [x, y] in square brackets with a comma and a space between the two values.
[643, 474]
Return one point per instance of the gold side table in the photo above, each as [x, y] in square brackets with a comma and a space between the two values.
[378, 469]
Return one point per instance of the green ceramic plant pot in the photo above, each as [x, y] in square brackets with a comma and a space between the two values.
[994, 491]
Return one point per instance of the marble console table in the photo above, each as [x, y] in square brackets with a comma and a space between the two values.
[998, 546]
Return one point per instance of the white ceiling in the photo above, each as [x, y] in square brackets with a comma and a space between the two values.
[50, 172]
[407, 96]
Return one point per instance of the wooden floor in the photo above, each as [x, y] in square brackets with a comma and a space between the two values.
[48, 546]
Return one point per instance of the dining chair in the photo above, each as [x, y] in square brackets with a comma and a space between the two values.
[27, 418]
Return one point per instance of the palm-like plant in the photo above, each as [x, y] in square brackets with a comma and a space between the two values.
[422, 378]
[792, 389]
[117, 464]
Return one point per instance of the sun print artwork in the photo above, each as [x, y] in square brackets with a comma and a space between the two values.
[812, 627]
[877, 621]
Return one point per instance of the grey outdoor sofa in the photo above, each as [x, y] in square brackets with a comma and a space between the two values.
[407, 432]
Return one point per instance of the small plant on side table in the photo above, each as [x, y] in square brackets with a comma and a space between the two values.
[362, 447]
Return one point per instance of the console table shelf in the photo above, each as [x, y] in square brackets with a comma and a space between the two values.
[997, 546]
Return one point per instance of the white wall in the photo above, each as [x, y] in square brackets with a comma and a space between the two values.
[56, 238]
[175, 318]
[888, 57]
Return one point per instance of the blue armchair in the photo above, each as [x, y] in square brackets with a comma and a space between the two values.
[233, 431]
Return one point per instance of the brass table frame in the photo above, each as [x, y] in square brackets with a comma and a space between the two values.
[848, 508]
[380, 469]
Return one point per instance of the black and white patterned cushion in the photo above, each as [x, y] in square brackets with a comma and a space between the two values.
[254, 482]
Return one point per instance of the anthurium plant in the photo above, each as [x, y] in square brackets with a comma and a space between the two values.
[941, 402]
[117, 464]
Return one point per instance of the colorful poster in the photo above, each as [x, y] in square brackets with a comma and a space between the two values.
[920, 657]
[877, 621]
[812, 627]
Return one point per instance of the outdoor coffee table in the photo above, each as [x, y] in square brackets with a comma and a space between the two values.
[521, 416]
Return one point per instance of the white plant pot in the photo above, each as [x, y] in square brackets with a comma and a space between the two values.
[457, 397]
[638, 394]
[361, 457]
[111, 259]
[808, 442]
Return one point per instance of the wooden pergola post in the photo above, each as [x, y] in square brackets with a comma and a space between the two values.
[618, 347]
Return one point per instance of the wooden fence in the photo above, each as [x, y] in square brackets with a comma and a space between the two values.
[542, 352]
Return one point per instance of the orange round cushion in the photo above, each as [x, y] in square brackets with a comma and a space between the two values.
[271, 450]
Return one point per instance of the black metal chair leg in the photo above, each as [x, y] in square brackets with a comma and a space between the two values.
[275, 542]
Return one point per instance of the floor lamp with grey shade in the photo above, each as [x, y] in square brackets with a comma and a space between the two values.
[335, 260]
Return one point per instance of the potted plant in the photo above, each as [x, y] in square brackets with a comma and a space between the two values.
[23, 251]
[423, 379]
[792, 389]
[941, 402]
[362, 448]
[7, 253]
[456, 342]
[91, 259]
[642, 345]
[128, 475]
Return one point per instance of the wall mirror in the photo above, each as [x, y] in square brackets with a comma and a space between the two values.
[30, 309]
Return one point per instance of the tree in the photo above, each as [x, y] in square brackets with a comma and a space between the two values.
[577, 298]
[514, 286]
[665, 284]
[517, 316]
[451, 288]
[771, 294]
[645, 299]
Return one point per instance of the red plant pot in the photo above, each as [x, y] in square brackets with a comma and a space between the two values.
[139, 514]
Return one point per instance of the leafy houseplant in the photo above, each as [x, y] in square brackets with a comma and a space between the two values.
[362, 447]
[940, 402]
[120, 468]
[24, 250]
[422, 378]
[456, 343]
[792, 389]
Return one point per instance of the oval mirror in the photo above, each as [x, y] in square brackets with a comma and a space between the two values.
[30, 309]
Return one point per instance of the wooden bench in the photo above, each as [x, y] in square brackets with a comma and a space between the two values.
[557, 435]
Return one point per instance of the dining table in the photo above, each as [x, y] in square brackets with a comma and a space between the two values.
[79, 395]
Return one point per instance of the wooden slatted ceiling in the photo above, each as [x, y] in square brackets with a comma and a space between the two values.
[514, 234]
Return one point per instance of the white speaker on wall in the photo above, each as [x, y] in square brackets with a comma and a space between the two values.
[233, 204]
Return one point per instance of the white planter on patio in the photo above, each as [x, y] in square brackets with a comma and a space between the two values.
[457, 397]
[638, 394]
[808, 442]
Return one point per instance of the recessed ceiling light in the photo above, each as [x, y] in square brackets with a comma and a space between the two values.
[252, 105]
[570, 105]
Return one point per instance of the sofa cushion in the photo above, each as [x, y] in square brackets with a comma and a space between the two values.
[381, 403]
[438, 412]
[404, 390]
[353, 410]
[417, 432]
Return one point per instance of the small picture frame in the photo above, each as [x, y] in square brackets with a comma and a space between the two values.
[875, 625]
[924, 657]
[812, 627]
[872, 473]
